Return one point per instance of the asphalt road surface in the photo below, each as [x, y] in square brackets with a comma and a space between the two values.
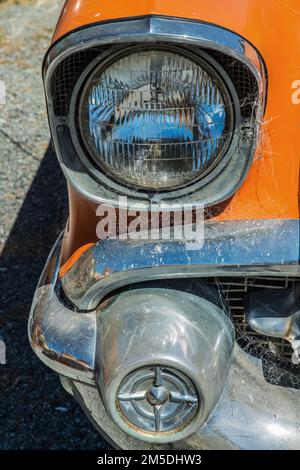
[35, 412]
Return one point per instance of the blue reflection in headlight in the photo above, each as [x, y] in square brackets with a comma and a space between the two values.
[158, 126]
[156, 107]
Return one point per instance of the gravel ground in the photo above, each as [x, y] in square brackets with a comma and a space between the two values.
[35, 412]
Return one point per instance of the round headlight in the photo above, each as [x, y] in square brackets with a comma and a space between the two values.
[156, 119]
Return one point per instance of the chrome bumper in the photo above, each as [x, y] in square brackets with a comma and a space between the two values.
[243, 248]
[251, 414]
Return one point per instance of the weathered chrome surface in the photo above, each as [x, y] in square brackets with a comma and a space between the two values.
[277, 314]
[157, 399]
[158, 28]
[89, 399]
[62, 338]
[275, 249]
[170, 329]
[254, 247]
[251, 414]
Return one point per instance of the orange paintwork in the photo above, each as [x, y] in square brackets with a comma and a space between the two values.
[271, 189]
[81, 226]
[72, 260]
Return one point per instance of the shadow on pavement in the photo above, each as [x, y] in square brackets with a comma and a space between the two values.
[34, 410]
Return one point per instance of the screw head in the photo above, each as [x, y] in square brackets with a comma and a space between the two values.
[157, 395]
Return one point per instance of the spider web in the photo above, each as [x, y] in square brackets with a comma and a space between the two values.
[275, 353]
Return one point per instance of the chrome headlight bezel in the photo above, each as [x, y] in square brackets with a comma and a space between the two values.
[84, 44]
[104, 175]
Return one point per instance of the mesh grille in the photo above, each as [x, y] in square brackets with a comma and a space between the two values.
[275, 353]
[244, 82]
[65, 77]
[68, 71]
[234, 290]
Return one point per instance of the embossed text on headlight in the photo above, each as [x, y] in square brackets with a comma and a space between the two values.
[156, 119]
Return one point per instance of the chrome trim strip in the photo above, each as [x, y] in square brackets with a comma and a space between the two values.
[158, 28]
[252, 247]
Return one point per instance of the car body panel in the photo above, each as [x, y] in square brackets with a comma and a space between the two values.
[88, 322]
[271, 188]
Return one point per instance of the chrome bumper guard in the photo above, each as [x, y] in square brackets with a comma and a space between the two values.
[251, 413]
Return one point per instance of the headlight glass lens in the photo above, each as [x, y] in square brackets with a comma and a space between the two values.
[155, 119]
